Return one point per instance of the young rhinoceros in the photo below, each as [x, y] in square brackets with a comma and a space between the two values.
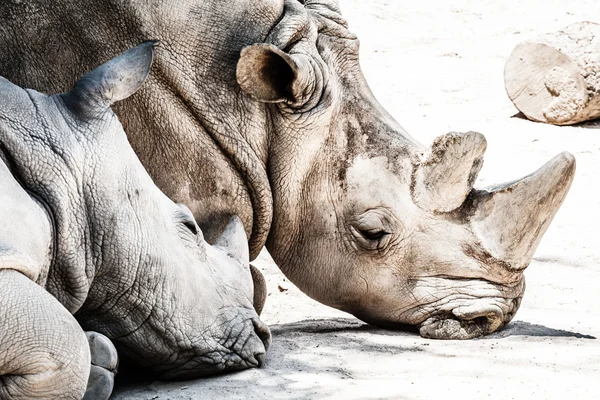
[81, 218]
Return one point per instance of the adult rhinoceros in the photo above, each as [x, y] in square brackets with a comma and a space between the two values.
[259, 108]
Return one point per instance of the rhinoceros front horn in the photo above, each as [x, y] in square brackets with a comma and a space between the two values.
[444, 175]
[510, 219]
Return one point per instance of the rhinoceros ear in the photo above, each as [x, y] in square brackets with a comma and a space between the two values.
[444, 175]
[270, 75]
[113, 81]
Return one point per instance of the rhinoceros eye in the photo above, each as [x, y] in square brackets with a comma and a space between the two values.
[370, 239]
[191, 226]
[185, 216]
[372, 230]
[373, 234]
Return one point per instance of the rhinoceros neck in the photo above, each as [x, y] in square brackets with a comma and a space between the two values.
[93, 189]
[202, 141]
[26, 244]
[48, 169]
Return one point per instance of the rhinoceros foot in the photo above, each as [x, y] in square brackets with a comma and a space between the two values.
[104, 361]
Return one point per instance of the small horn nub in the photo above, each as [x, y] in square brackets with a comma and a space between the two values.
[234, 242]
[444, 175]
[510, 219]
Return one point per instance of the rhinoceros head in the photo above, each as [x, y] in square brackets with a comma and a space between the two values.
[445, 256]
[130, 262]
[365, 218]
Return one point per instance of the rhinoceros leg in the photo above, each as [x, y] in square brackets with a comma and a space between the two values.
[43, 351]
[105, 361]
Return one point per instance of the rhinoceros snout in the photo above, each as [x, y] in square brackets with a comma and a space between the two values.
[237, 341]
[253, 352]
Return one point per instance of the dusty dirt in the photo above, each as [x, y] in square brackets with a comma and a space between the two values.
[438, 67]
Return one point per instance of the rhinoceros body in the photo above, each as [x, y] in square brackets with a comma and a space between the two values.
[80, 217]
[258, 108]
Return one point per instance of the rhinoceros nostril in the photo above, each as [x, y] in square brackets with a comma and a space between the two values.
[264, 334]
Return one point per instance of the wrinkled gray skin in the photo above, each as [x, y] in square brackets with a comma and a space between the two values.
[258, 108]
[80, 217]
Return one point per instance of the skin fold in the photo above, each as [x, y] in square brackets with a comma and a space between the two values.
[260, 109]
[83, 220]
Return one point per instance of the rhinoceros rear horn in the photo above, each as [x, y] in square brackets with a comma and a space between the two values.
[444, 175]
[510, 219]
[113, 81]
[234, 242]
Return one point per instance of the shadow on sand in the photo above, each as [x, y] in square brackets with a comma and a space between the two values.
[594, 124]
[316, 350]
[521, 328]
[333, 325]
[349, 325]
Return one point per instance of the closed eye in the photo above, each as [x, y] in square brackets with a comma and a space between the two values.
[373, 234]
[185, 216]
[374, 230]
[191, 226]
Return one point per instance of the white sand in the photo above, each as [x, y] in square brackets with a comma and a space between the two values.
[438, 67]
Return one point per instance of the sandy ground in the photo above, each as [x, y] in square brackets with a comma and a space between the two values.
[438, 67]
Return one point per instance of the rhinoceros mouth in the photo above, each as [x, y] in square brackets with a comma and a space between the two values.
[452, 327]
[468, 323]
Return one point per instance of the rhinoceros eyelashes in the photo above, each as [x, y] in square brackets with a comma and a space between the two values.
[185, 216]
[191, 226]
[373, 234]
[370, 239]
